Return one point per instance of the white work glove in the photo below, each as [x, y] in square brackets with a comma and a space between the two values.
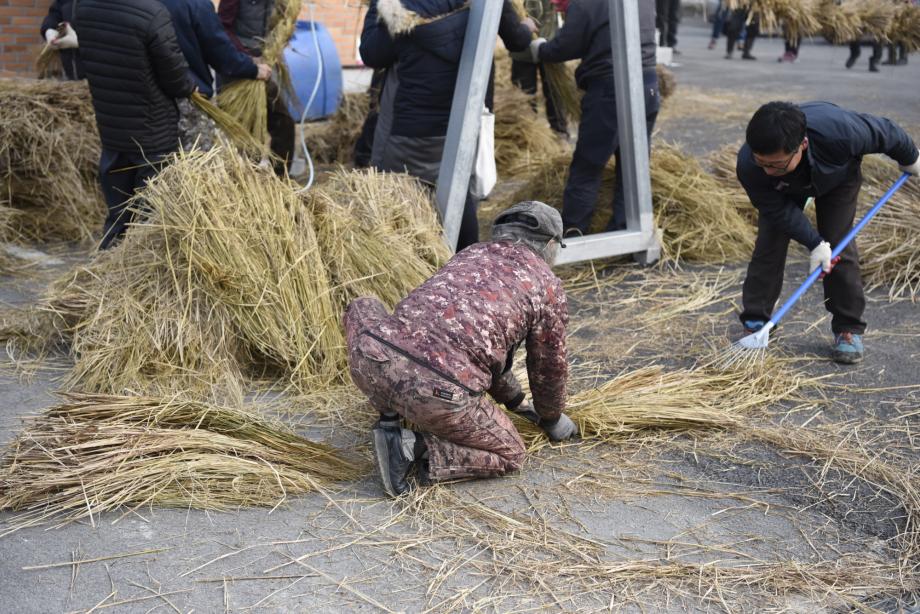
[561, 429]
[68, 40]
[50, 35]
[913, 169]
[535, 45]
[820, 255]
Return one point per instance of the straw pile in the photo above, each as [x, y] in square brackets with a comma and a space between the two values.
[667, 82]
[366, 218]
[333, 141]
[246, 99]
[94, 453]
[876, 18]
[796, 18]
[232, 277]
[701, 218]
[49, 153]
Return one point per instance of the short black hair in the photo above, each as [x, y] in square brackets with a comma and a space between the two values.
[776, 126]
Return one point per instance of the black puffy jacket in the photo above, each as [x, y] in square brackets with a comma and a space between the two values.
[424, 38]
[135, 71]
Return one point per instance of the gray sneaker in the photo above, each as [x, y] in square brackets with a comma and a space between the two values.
[848, 348]
[393, 449]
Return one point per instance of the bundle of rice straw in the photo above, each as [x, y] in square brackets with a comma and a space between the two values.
[876, 18]
[840, 21]
[224, 278]
[667, 82]
[653, 398]
[49, 157]
[333, 141]
[48, 63]
[723, 163]
[905, 27]
[890, 244]
[795, 18]
[378, 234]
[522, 137]
[700, 217]
[245, 99]
[94, 453]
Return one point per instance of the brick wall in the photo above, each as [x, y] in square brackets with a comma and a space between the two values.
[20, 42]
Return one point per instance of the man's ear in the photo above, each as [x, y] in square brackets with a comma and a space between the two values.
[805, 143]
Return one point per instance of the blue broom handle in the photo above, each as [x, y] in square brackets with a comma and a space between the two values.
[839, 248]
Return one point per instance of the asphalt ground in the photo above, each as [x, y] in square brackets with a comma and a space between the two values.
[586, 519]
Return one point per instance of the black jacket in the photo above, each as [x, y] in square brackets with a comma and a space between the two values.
[425, 39]
[135, 71]
[837, 141]
[205, 43]
[586, 36]
[63, 10]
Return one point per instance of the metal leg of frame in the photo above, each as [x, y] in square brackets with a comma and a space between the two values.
[466, 114]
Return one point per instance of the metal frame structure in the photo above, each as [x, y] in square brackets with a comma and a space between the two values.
[640, 237]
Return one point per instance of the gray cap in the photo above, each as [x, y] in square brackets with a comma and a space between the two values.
[535, 218]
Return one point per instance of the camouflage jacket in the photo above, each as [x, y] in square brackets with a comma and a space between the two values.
[469, 318]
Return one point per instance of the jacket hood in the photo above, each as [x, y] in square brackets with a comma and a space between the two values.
[438, 26]
[404, 16]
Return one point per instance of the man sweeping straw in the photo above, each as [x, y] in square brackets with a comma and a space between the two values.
[452, 340]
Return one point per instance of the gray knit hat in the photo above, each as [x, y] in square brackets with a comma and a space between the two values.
[536, 219]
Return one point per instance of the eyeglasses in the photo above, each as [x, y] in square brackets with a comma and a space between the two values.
[780, 166]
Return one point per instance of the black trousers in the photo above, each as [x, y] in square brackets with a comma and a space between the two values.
[121, 175]
[734, 28]
[280, 128]
[843, 288]
[666, 20]
[855, 51]
[598, 140]
[364, 146]
[524, 76]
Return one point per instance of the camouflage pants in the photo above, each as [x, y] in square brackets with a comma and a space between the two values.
[467, 434]
[195, 128]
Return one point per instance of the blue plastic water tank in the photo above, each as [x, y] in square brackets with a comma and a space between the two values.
[304, 63]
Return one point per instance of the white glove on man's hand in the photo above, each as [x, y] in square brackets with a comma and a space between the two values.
[820, 255]
[66, 41]
[50, 35]
[265, 72]
[535, 45]
[913, 169]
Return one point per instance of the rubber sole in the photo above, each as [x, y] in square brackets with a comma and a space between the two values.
[383, 466]
[846, 358]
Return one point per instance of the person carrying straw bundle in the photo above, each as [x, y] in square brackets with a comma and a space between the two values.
[205, 45]
[452, 340]
[813, 150]
[247, 23]
[586, 35]
[59, 34]
[420, 42]
[136, 72]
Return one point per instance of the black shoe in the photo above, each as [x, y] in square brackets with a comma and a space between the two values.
[748, 56]
[902, 62]
[851, 60]
[728, 55]
[393, 449]
[873, 67]
[889, 62]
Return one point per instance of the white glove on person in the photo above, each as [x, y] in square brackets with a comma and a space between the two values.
[535, 45]
[265, 72]
[50, 35]
[820, 255]
[913, 169]
[66, 41]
